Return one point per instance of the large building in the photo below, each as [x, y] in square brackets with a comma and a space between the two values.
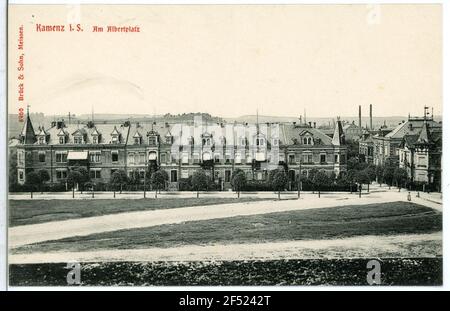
[387, 142]
[420, 154]
[179, 149]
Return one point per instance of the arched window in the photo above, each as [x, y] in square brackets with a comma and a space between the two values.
[309, 140]
[305, 141]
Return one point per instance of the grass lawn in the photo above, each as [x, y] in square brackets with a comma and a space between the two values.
[323, 223]
[25, 212]
[394, 271]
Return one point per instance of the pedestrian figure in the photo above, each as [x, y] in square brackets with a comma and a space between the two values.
[409, 196]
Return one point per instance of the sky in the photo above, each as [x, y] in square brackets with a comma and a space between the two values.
[230, 60]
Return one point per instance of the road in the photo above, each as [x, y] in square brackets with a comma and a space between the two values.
[27, 234]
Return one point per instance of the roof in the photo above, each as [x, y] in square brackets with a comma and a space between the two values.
[410, 127]
[28, 134]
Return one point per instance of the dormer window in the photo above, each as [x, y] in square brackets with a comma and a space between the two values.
[137, 140]
[307, 141]
[115, 139]
[206, 141]
[95, 137]
[62, 140]
[260, 142]
[168, 139]
[152, 140]
[78, 140]
[41, 140]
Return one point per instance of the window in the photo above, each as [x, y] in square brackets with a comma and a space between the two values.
[163, 158]
[243, 141]
[168, 139]
[61, 157]
[260, 142]
[131, 158]
[62, 140]
[228, 158]
[115, 156]
[21, 176]
[291, 158]
[227, 176]
[94, 156]
[173, 176]
[173, 158]
[78, 140]
[115, 139]
[96, 173]
[61, 174]
[41, 140]
[249, 159]
[41, 156]
[308, 158]
[217, 158]
[20, 158]
[323, 158]
[237, 158]
[142, 158]
[185, 158]
[95, 139]
[275, 142]
[206, 141]
[307, 140]
[196, 158]
[336, 158]
[152, 140]
[137, 140]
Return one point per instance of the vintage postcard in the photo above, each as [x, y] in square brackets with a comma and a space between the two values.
[237, 145]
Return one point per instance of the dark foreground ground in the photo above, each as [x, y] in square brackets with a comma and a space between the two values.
[394, 271]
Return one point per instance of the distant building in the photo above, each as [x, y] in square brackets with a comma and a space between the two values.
[179, 149]
[420, 154]
[352, 131]
[387, 142]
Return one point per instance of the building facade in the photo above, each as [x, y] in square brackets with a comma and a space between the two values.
[179, 149]
[421, 155]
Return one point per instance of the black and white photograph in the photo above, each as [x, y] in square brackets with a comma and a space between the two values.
[255, 145]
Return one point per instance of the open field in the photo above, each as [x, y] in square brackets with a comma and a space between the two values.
[310, 224]
[25, 212]
[394, 271]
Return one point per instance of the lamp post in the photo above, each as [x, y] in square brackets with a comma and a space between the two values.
[145, 174]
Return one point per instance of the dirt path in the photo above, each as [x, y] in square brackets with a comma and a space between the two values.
[415, 245]
[27, 234]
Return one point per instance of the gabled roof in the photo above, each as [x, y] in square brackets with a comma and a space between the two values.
[41, 131]
[137, 135]
[95, 132]
[115, 131]
[410, 127]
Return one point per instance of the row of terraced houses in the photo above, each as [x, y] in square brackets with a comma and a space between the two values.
[179, 149]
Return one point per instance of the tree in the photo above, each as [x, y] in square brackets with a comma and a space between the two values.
[362, 177]
[199, 181]
[118, 178]
[379, 170]
[400, 176]
[84, 176]
[388, 175]
[238, 181]
[12, 170]
[158, 180]
[74, 177]
[32, 180]
[279, 180]
[321, 179]
[44, 176]
[372, 172]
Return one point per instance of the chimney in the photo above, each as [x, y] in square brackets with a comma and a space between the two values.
[314, 124]
[309, 123]
[370, 114]
[359, 116]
